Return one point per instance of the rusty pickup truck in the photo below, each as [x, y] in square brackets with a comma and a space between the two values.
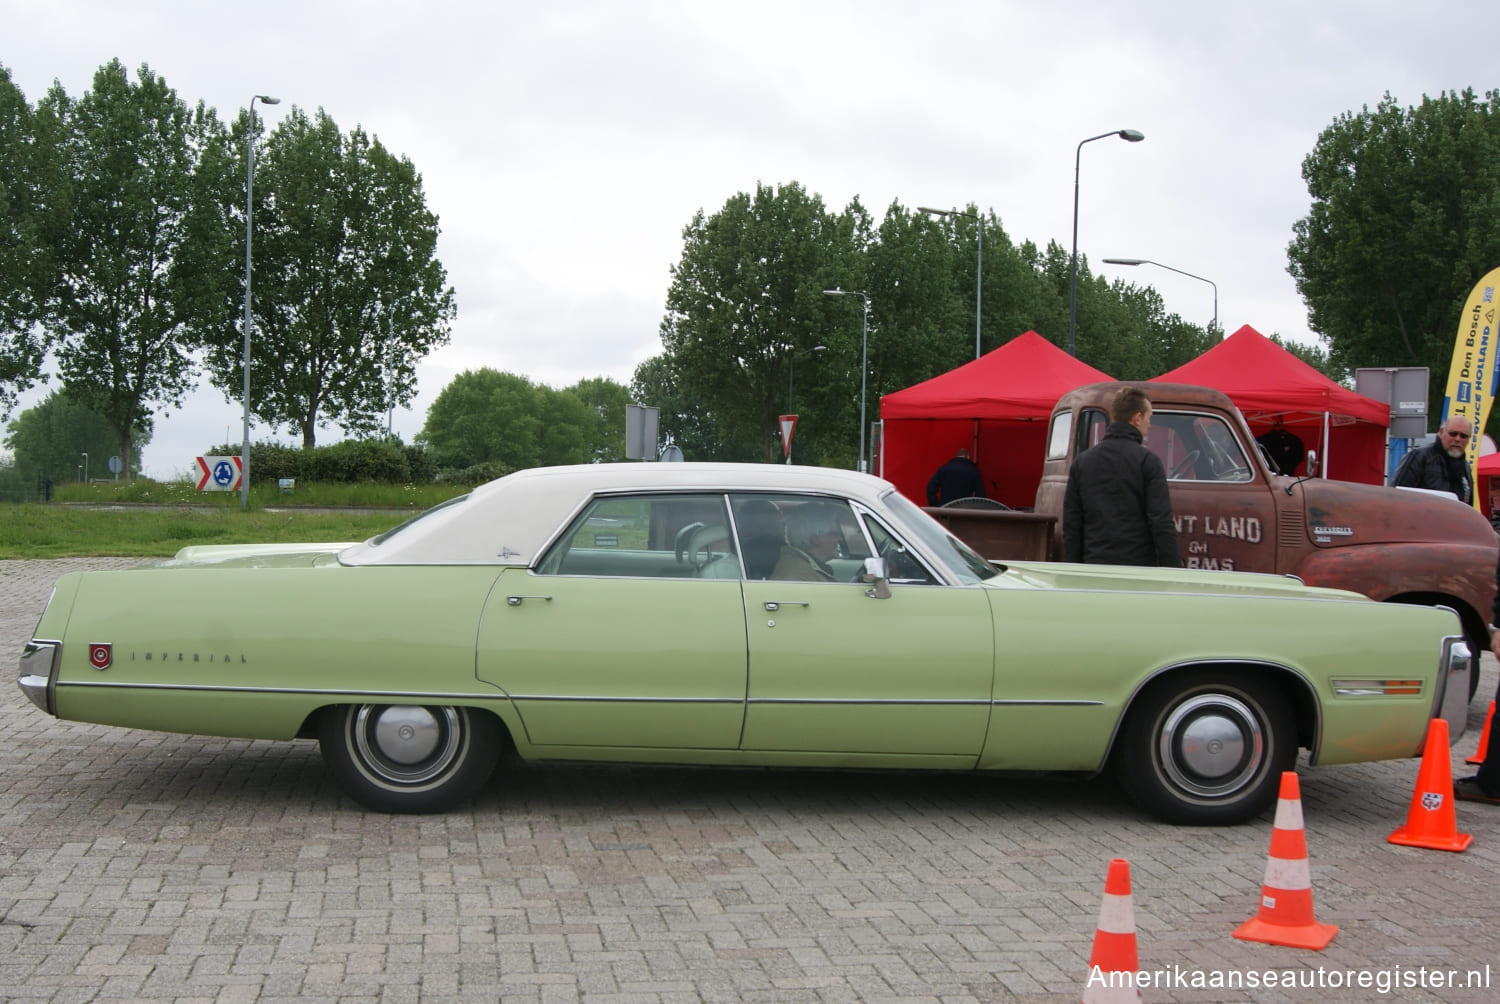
[1233, 513]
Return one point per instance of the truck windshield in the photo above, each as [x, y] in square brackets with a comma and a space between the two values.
[957, 557]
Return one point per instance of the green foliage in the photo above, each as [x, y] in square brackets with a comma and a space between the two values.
[134, 281]
[746, 312]
[488, 417]
[1401, 227]
[25, 249]
[51, 439]
[348, 292]
[746, 296]
[608, 401]
[351, 461]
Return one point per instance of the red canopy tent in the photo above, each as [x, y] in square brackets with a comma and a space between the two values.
[1275, 388]
[1487, 483]
[996, 407]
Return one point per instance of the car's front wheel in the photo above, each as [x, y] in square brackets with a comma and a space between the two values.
[1207, 748]
[409, 757]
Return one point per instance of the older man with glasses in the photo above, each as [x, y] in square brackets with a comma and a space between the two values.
[1442, 465]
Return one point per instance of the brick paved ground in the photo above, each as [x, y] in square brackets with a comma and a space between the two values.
[136, 866]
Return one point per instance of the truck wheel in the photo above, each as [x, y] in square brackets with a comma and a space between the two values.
[1207, 748]
[408, 757]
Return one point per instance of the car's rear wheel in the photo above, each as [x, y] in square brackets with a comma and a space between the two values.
[1207, 748]
[409, 757]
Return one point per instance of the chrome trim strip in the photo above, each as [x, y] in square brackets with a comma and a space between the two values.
[959, 702]
[1046, 703]
[597, 699]
[576, 699]
[318, 692]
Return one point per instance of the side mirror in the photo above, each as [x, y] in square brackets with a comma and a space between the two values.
[878, 575]
[1312, 463]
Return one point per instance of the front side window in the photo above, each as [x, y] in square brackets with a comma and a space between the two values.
[805, 538]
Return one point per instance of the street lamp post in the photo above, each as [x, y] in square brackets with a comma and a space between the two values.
[1169, 268]
[249, 227]
[979, 269]
[1130, 136]
[864, 343]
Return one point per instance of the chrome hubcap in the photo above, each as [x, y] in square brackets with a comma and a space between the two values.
[405, 743]
[1212, 745]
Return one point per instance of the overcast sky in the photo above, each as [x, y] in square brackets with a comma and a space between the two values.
[564, 145]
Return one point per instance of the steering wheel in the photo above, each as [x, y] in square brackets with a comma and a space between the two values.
[1184, 464]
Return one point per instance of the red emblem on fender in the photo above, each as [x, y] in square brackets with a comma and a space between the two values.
[100, 655]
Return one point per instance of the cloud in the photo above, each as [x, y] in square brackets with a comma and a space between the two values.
[565, 145]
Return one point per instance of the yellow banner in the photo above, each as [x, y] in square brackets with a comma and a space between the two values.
[1472, 373]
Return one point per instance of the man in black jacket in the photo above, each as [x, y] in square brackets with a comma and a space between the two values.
[959, 478]
[1441, 465]
[1116, 510]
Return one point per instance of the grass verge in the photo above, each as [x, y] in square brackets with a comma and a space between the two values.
[68, 531]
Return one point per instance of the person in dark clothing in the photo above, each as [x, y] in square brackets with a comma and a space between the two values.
[1116, 510]
[959, 478]
[1283, 447]
[1441, 465]
[1485, 785]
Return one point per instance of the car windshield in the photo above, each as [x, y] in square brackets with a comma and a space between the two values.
[956, 556]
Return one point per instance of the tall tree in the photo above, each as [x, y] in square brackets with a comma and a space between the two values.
[485, 416]
[52, 439]
[686, 421]
[25, 246]
[135, 285]
[348, 291]
[745, 297]
[607, 400]
[1402, 224]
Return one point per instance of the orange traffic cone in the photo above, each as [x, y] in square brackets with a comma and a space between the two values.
[1431, 821]
[1484, 738]
[1286, 904]
[1113, 964]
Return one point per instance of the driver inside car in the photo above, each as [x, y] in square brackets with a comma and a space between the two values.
[813, 534]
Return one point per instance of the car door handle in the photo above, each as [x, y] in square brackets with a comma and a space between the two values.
[774, 605]
[515, 601]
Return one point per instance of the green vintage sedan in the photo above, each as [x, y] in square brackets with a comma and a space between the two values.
[741, 614]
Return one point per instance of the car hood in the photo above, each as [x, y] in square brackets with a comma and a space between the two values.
[1344, 514]
[1134, 578]
[255, 555]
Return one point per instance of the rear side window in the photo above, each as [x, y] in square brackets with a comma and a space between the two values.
[644, 536]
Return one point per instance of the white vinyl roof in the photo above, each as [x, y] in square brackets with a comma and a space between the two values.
[508, 521]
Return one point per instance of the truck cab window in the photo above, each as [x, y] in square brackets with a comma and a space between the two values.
[1197, 447]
